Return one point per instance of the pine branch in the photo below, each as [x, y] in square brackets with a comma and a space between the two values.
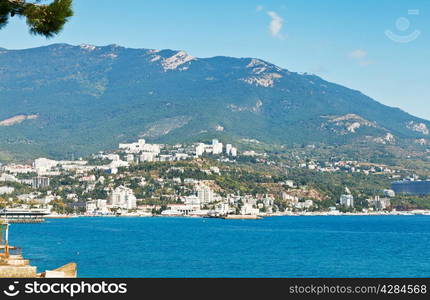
[43, 19]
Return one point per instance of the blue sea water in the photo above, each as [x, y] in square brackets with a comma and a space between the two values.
[337, 246]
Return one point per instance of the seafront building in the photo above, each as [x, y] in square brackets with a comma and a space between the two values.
[347, 200]
[205, 194]
[249, 209]
[97, 207]
[379, 203]
[184, 210]
[123, 197]
[304, 205]
[192, 200]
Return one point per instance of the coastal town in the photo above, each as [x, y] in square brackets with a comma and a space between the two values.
[200, 180]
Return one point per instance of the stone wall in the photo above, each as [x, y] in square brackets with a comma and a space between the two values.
[17, 272]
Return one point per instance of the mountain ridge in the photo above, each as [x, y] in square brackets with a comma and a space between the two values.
[93, 97]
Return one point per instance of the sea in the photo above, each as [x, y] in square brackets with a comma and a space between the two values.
[292, 247]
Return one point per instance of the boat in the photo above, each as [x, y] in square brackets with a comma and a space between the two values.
[20, 215]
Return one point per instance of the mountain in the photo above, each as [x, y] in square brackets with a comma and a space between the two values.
[61, 100]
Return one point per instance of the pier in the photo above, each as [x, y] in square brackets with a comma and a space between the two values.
[14, 265]
[12, 215]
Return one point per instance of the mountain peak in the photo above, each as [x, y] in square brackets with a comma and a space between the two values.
[179, 59]
[87, 47]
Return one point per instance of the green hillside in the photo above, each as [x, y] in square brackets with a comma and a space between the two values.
[64, 100]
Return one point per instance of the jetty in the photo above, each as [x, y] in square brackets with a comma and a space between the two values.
[14, 265]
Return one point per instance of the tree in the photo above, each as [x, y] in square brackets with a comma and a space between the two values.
[42, 19]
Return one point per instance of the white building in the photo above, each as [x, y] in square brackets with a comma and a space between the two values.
[6, 190]
[200, 149]
[101, 204]
[304, 205]
[147, 156]
[133, 147]
[233, 151]
[346, 200]
[223, 209]
[43, 165]
[290, 198]
[192, 200]
[27, 197]
[248, 209]
[123, 197]
[18, 169]
[215, 170]
[47, 199]
[140, 146]
[153, 148]
[118, 164]
[183, 210]
[379, 203]
[290, 183]
[181, 156]
[8, 178]
[228, 149]
[205, 194]
[91, 206]
[268, 201]
[97, 206]
[166, 157]
[40, 182]
[190, 181]
[110, 156]
[389, 193]
[216, 147]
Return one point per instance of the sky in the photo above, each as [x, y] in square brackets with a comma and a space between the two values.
[380, 47]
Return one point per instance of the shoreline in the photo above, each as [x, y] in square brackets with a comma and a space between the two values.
[251, 217]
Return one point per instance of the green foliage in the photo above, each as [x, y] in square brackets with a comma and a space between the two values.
[43, 19]
[404, 202]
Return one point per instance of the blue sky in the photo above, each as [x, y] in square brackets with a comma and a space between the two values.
[344, 41]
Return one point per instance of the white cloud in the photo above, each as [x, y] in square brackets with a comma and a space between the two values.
[358, 54]
[259, 8]
[361, 57]
[276, 24]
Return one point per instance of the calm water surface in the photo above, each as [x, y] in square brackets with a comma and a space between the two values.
[346, 246]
